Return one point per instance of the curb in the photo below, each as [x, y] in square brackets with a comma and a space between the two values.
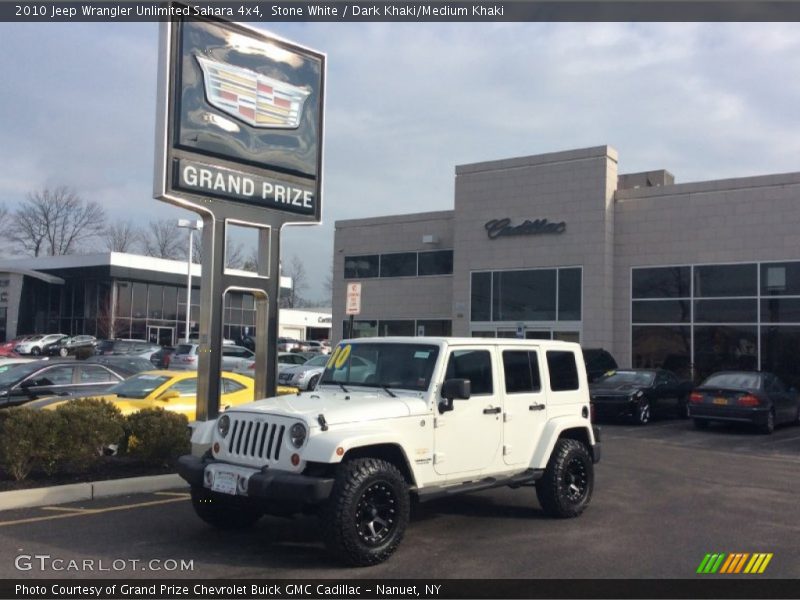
[61, 494]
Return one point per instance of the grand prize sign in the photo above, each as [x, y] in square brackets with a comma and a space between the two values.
[238, 141]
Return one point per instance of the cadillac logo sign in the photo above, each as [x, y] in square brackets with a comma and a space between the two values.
[242, 123]
[258, 100]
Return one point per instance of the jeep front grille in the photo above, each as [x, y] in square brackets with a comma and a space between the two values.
[259, 440]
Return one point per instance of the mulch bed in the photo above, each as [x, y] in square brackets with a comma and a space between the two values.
[110, 467]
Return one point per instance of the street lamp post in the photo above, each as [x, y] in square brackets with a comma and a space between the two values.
[192, 226]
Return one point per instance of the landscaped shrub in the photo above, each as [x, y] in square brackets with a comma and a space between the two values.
[29, 439]
[89, 427]
[157, 435]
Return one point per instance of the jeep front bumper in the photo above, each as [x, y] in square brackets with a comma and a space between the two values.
[270, 486]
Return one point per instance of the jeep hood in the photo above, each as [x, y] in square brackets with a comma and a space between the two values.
[338, 407]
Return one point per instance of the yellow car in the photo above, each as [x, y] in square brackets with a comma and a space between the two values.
[172, 390]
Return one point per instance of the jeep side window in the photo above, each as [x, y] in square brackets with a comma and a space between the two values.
[521, 370]
[475, 365]
[563, 370]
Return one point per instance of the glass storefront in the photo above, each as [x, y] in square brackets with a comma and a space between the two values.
[142, 310]
[698, 319]
[541, 303]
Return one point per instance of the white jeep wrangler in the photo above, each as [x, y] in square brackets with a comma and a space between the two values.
[396, 417]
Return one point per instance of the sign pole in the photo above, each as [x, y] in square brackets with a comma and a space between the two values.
[350, 328]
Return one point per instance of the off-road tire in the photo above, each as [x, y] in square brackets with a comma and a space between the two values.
[566, 487]
[222, 512]
[366, 488]
[700, 423]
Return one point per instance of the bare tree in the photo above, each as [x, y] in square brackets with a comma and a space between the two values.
[5, 224]
[121, 237]
[293, 298]
[234, 253]
[164, 239]
[55, 222]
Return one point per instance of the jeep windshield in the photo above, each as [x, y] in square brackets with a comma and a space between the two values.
[370, 364]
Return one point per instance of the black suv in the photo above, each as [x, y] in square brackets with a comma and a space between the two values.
[598, 361]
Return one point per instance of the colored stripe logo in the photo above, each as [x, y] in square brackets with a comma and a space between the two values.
[737, 562]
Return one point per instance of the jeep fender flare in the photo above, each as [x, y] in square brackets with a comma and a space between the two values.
[552, 431]
[323, 448]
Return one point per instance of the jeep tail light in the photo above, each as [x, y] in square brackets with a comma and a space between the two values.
[695, 397]
[747, 400]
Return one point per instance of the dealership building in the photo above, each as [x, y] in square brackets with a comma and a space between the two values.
[693, 277]
[120, 295]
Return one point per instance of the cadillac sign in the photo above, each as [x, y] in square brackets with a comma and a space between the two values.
[241, 122]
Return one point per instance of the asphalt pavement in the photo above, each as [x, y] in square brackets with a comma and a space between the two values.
[665, 495]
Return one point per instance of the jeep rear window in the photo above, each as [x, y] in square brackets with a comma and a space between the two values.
[563, 370]
[396, 366]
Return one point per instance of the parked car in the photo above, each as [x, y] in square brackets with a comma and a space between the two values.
[170, 390]
[29, 381]
[598, 361]
[316, 347]
[306, 376]
[186, 357]
[71, 345]
[162, 358]
[285, 359]
[123, 364]
[140, 348]
[288, 345]
[755, 397]
[35, 344]
[639, 394]
[7, 348]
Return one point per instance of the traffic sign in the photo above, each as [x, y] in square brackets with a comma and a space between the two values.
[353, 306]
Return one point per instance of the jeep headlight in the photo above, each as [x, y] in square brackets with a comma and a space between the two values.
[298, 434]
[223, 425]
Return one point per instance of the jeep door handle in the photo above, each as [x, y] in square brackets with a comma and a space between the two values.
[492, 411]
[536, 407]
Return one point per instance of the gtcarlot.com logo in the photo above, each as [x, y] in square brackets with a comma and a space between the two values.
[737, 562]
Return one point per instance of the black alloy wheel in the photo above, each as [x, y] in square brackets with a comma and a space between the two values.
[376, 513]
[576, 480]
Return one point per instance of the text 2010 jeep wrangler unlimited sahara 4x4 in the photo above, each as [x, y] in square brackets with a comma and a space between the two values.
[392, 417]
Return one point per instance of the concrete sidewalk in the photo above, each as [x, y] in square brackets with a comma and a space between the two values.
[61, 494]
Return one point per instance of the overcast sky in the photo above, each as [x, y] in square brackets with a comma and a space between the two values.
[408, 102]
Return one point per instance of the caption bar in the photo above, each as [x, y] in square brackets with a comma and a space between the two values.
[444, 589]
[477, 11]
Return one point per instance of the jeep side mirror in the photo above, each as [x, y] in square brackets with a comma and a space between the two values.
[167, 396]
[455, 389]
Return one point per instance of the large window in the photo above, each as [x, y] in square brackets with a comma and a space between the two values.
[399, 264]
[402, 264]
[526, 295]
[361, 267]
[438, 262]
[696, 320]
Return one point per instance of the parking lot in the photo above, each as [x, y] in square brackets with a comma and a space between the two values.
[665, 496]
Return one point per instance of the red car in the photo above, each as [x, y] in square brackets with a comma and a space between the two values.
[7, 348]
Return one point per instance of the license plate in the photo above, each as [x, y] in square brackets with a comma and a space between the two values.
[720, 400]
[224, 483]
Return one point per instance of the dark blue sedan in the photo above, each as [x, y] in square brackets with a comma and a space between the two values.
[753, 397]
